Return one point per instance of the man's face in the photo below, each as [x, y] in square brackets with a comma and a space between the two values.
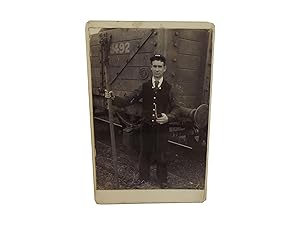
[158, 68]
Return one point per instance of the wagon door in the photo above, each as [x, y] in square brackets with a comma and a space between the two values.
[129, 61]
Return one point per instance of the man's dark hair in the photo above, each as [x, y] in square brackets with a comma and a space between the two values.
[158, 58]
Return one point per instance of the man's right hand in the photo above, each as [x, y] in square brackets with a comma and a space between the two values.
[109, 94]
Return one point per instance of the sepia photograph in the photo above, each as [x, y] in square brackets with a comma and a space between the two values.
[149, 101]
[116, 112]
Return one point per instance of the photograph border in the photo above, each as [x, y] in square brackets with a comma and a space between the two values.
[145, 196]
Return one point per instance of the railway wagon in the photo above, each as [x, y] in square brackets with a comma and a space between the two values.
[188, 55]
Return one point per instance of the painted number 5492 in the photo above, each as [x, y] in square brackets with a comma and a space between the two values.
[119, 48]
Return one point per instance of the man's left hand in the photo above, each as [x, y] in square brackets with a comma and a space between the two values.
[163, 119]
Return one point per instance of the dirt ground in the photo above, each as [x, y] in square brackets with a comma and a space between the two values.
[186, 168]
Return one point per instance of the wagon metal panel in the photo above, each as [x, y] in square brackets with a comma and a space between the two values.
[125, 34]
[188, 47]
[193, 35]
[140, 59]
[132, 73]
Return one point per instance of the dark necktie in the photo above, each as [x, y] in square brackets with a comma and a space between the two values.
[156, 84]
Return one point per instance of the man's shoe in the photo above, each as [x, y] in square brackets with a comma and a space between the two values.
[164, 185]
[144, 185]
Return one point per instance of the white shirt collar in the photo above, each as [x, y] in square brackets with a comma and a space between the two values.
[160, 81]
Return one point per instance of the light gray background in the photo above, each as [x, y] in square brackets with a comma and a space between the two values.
[45, 147]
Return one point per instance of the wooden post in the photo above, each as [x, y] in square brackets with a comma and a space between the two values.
[105, 47]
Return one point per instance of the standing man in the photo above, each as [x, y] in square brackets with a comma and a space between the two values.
[159, 108]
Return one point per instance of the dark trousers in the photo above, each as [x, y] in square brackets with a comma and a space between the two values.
[154, 147]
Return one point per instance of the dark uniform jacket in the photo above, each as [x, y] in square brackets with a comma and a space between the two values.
[163, 97]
